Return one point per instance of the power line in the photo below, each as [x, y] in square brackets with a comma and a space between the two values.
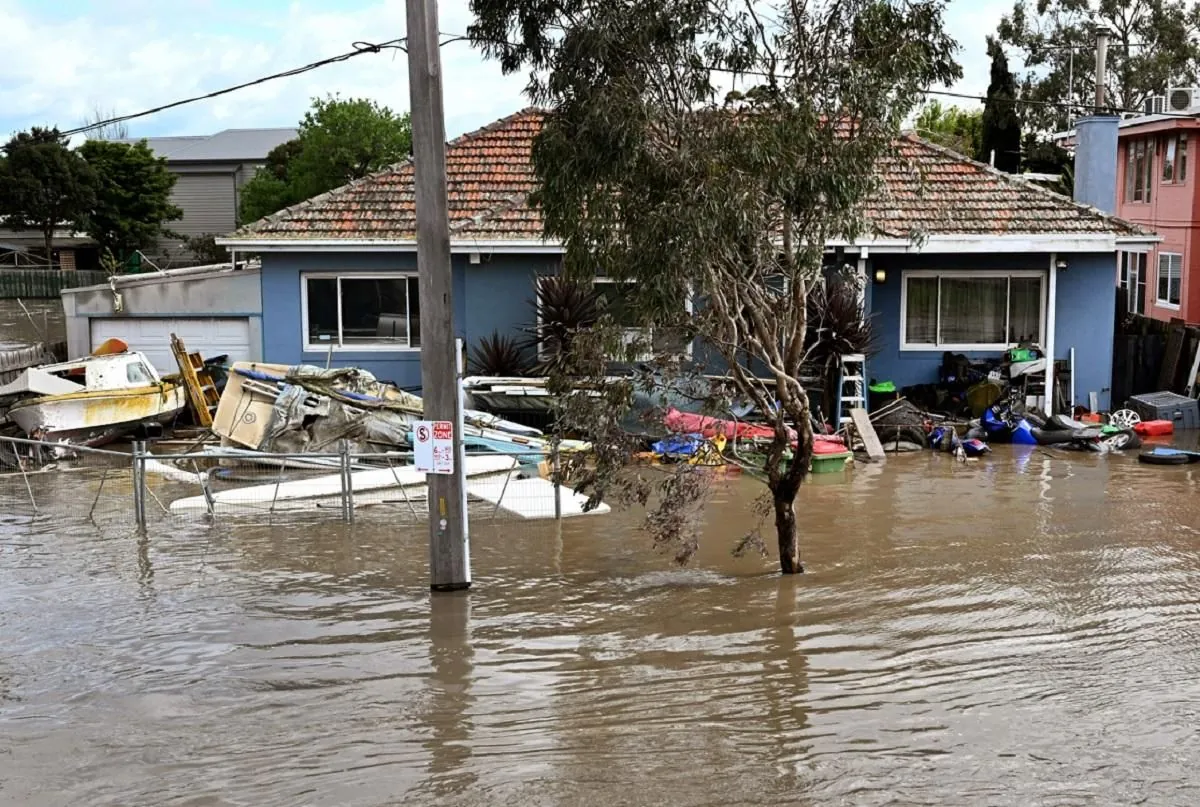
[359, 49]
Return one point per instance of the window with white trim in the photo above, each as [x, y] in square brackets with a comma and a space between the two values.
[1175, 159]
[971, 310]
[1170, 278]
[352, 311]
[1133, 280]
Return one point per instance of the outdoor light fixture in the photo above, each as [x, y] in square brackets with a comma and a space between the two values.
[1060, 264]
[880, 275]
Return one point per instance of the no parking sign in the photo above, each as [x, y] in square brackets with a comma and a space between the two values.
[433, 446]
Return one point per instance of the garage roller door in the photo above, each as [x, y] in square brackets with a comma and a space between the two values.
[209, 336]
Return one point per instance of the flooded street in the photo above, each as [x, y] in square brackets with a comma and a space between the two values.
[43, 322]
[1024, 630]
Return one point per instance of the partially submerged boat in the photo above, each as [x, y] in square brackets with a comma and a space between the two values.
[91, 401]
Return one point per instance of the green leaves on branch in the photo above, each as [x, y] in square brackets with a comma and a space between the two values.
[653, 174]
[1154, 45]
[339, 141]
[132, 196]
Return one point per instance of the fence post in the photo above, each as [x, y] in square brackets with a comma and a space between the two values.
[347, 484]
[554, 466]
[139, 483]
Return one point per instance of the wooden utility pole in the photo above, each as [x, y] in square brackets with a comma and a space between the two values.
[1102, 34]
[449, 555]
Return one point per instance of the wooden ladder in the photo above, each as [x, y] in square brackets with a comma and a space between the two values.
[202, 390]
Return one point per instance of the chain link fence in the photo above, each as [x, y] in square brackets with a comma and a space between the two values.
[146, 488]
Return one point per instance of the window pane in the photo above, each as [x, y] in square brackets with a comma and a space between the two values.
[973, 310]
[1164, 277]
[615, 303]
[1169, 161]
[1123, 269]
[374, 311]
[414, 313]
[921, 311]
[1025, 310]
[1181, 160]
[322, 310]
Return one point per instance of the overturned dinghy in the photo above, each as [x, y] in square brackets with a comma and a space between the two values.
[492, 478]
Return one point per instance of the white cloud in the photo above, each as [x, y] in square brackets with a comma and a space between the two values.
[137, 54]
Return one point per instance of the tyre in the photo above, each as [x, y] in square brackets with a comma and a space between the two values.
[1155, 458]
[1124, 439]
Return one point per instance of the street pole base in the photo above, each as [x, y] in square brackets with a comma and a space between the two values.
[445, 587]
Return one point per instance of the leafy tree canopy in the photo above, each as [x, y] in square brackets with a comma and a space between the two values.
[1154, 45]
[132, 196]
[651, 171]
[1000, 143]
[952, 126]
[44, 186]
[340, 140]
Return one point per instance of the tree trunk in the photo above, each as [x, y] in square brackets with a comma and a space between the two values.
[48, 236]
[785, 527]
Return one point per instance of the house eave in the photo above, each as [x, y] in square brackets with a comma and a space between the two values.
[958, 244]
[459, 246]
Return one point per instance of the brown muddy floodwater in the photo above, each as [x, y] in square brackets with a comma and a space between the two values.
[1020, 631]
[44, 322]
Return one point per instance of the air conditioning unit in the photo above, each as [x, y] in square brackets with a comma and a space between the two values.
[1155, 105]
[1182, 99]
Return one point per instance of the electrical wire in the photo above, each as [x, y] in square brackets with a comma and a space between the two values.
[362, 47]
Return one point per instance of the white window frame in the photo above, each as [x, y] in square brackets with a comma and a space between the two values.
[338, 347]
[629, 334]
[938, 346]
[1159, 301]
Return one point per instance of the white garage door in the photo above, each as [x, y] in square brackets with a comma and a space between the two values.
[211, 336]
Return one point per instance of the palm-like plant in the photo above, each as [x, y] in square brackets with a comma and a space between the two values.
[498, 355]
[565, 308]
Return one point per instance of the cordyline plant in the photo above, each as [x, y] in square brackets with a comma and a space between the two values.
[654, 172]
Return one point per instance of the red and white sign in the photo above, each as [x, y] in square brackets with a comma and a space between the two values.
[433, 446]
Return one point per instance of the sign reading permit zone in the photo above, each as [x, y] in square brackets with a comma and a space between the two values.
[433, 448]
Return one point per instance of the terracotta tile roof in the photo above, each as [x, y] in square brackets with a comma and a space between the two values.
[936, 191]
[927, 189]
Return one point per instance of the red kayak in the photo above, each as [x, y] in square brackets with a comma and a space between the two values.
[710, 427]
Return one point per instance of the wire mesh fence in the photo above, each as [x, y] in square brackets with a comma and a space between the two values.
[145, 488]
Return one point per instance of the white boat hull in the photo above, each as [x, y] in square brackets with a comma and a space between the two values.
[91, 418]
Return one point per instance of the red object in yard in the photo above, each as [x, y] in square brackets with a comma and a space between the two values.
[709, 427]
[828, 446]
[1153, 428]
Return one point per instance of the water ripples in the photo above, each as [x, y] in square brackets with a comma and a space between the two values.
[1020, 631]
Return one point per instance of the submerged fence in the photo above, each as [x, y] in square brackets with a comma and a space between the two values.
[45, 283]
[149, 488]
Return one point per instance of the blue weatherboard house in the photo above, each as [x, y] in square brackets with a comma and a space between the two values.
[963, 258]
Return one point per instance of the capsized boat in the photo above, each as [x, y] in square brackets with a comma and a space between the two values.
[91, 401]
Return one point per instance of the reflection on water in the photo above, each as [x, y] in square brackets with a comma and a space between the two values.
[39, 321]
[1022, 630]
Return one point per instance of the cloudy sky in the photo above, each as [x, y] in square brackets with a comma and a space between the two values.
[66, 59]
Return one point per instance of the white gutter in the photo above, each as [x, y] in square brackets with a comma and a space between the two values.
[457, 245]
[935, 244]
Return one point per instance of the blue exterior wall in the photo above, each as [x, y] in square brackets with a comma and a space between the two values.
[495, 294]
[1085, 317]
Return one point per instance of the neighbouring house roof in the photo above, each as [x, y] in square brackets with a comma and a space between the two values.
[927, 189]
[230, 145]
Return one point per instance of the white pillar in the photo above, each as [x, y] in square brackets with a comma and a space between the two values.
[1051, 306]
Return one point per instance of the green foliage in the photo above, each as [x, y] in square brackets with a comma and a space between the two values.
[1000, 143]
[44, 185]
[1154, 45]
[132, 196]
[652, 174]
[951, 126]
[498, 355]
[204, 248]
[1043, 156]
[565, 309]
[340, 140]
